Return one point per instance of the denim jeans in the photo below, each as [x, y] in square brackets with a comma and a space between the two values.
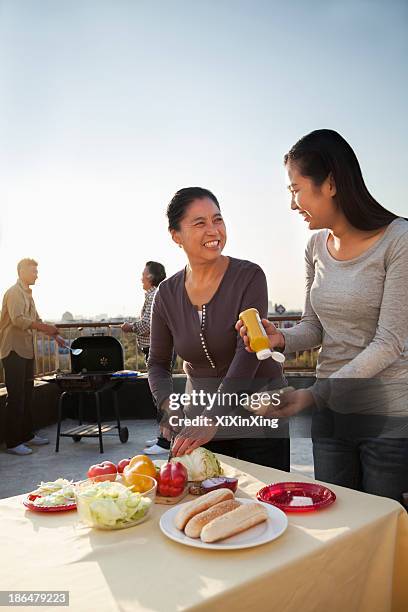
[376, 465]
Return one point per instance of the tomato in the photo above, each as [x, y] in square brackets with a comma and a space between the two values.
[122, 464]
[103, 471]
[172, 479]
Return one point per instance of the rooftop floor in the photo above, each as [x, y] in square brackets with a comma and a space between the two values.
[21, 474]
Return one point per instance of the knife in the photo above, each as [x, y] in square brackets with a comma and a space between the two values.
[171, 448]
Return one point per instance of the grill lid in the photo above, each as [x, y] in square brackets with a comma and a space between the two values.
[99, 354]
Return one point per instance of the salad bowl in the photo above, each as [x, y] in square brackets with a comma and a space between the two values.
[111, 505]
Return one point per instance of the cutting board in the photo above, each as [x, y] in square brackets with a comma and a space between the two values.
[168, 501]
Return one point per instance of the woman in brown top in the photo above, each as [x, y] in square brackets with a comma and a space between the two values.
[194, 312]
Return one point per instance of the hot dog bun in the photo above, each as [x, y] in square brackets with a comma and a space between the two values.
[195, 525]
[240, 519]
[190, 509]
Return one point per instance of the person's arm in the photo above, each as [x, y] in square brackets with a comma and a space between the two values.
[160, 355]
[37, 317]
[308, 333]
[141, 327]
[15, 307]
[45, 328]
[244, 365]
[391, 334]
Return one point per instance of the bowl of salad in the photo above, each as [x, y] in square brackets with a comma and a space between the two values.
[112, 505]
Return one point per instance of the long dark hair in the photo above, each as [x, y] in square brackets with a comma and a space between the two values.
[181, 201]
[325, 152]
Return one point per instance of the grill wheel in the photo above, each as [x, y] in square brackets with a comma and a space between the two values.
[123, 434]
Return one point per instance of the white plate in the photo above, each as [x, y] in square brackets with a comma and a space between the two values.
[255, 536]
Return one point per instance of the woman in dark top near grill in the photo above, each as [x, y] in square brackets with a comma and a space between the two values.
[194, 312]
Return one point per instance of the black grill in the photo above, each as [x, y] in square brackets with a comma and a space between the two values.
[95, 370]
[92, 370]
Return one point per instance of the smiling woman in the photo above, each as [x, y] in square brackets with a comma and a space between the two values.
[195, 311]
[202, 234]
[327, 185]
[355, 309]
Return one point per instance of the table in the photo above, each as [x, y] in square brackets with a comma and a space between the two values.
[351, 556]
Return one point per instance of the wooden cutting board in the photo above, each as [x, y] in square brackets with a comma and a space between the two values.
[168, 501]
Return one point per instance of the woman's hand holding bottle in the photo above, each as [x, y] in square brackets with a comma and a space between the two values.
[275, 337]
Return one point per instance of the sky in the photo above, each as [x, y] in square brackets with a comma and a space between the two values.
[108, 107]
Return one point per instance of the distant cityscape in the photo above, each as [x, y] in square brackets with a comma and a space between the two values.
[68, 317]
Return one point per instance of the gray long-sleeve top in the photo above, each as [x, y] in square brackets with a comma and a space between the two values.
[211, 350]
[357, 310]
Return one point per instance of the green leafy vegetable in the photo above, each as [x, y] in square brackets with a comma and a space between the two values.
[200, 464]
[111, 505]
[46, 488]
[59, 492]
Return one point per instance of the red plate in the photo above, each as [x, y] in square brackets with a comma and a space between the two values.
[284, 495]
[28, 502]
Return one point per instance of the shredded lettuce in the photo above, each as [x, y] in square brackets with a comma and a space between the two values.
[110, 504]
[59, 498]
[46, 488]
[200, 464]
[59, 492]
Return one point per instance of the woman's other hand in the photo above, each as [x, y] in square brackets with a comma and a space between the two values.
[275, 337]
[166, 432]
[291, 403]
[169, 431]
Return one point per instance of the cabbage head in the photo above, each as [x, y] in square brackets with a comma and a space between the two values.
[200, 464]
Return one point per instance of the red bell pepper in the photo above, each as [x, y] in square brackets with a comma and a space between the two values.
[172, 479]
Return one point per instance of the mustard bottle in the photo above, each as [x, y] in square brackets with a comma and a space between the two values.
[258, 340]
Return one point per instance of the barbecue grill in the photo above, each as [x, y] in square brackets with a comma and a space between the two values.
[97, 369]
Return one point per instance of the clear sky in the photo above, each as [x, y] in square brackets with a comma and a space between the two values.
[107, 107]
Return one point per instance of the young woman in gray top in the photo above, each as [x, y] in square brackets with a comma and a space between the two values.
[356, 310]
[195, 311]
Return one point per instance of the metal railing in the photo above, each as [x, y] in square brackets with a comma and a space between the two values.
[49, 357]
[133, 356]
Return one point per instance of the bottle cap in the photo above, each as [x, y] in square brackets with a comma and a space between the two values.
[264, 354]
[279, 357]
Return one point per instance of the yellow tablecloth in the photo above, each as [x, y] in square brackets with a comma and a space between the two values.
[351, 556]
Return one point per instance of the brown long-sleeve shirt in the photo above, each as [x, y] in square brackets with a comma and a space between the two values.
[213, 353]
[18, 312]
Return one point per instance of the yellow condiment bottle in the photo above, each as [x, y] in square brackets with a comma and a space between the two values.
[258, 340]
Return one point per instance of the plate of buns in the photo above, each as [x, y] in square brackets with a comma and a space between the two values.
[219, 520]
